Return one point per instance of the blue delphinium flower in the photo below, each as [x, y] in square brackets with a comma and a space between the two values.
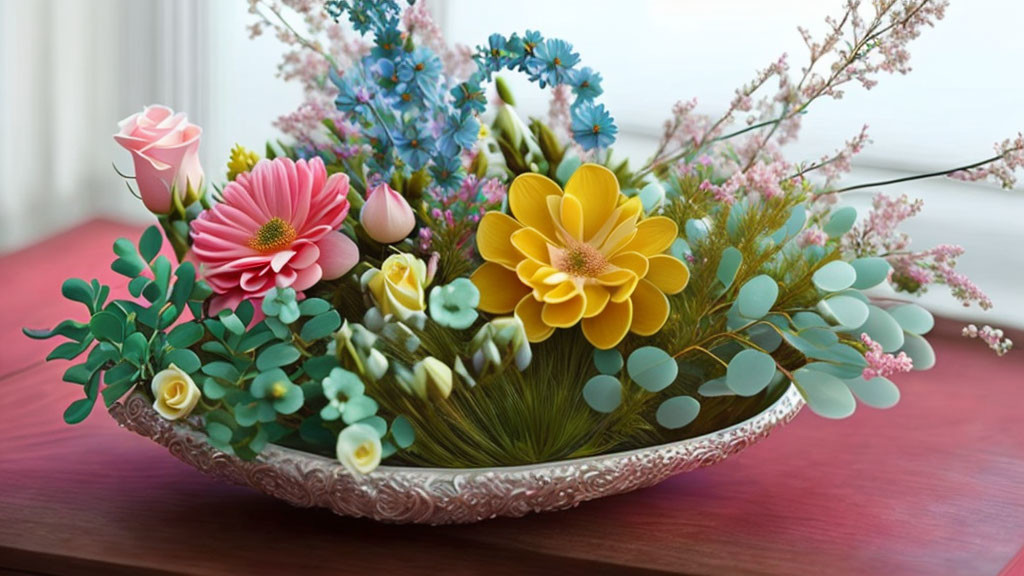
[460, 131]
[447, 172]
[469, 96]
[352, 94]
[586, 83]
[497, 54]
[592, 126]
[531, 40]
[552, 61]
[516, 50]
[414, 146]
[388, 44]
[422, 68]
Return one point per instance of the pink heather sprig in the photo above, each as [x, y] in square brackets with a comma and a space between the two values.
[812, 236]
[881, 364]
[914, 271]
[321, 43]
[991, 336]
[879, 233]
[1002, 169]
[835, 166]
[559, 117]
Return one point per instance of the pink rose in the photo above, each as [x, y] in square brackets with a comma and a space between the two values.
[165, 150]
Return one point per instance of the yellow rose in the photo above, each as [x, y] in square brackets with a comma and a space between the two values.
[175, 392]
[397, 287]
[359, 449]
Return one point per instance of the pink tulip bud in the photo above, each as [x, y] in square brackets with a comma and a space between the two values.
[386, 216]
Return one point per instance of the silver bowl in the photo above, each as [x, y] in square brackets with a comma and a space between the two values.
[450, 495]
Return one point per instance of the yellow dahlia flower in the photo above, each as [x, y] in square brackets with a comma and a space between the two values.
[585, 255]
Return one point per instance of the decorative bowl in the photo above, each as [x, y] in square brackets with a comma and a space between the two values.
[450, 495]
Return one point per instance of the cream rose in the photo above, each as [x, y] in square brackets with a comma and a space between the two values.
[359, 449]
[397, 288]
[165, 151]
[175, 392]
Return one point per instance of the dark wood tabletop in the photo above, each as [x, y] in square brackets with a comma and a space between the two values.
[932, 486]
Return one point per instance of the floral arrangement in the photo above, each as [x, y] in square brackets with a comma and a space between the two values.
[417, 274]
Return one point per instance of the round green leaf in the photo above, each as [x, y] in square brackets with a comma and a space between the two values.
[803, 320]
[841, 221]
[870, 272]
[696, 230]
[677, 412]
[608, 361]
[652, 368]
[757, 296]
[913, 318]
[78, 290]
[107, 326]
[716, 387]
[834, 276]
[680, 248]
[826, 395]
[878, 392]
[847, 311]
[749, 372]
[403, 432]
[183, 358]
[603, 393]
[765, 337]
[281, 354]
[919, 350]
[729, 265]
[185, 335]
[883, 329]
[567, 167]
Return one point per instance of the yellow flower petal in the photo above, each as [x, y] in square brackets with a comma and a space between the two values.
[493, 239]
[532, 244]
[619, 238]
[597, 299]
[650, 309]
[631, 210]
[527, 198]
[621, 283]
[653, 236]
[609, 327]
[562, 292]
[500, 289]
[529, 312]
[597, 191]
[564, 314]
[668, 273]
[631, 261]
[572, 217]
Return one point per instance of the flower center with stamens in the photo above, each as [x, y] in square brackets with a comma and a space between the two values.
[581, 260]
[273, 236]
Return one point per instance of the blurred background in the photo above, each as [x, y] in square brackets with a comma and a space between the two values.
[70, 69]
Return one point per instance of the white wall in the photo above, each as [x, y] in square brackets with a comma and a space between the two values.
[69, 69]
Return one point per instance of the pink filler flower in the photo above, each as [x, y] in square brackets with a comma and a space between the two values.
[276, 226]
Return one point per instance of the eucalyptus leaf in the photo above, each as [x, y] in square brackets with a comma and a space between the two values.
[883, 329]
[877, 392]
[321, 326]
[826, 395]
[603, 393]
[677, 412]
[608, 361]
[919, 351]
[847, 311]
[402, 432]
[871, 272]
[749, 372]
[757, 296]
[729, 265]
[913, 318]
[652, 368]
[716, 387]
[841, 221]
[835, 276]
[184, 359]
[281, 354]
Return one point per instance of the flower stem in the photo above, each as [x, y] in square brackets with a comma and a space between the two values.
[922, 176]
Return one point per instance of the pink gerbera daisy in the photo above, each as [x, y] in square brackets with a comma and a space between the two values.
[276, 226]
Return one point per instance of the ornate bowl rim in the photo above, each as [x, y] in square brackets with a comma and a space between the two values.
[406, 494]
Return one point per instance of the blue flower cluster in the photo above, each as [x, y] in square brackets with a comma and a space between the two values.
[552, 62]
[401, 100]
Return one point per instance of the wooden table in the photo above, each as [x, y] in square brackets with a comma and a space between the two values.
[933, 486]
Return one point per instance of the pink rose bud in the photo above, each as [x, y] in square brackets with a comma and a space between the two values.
[386, 216]
[165, 150]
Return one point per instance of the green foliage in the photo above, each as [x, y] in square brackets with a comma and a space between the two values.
[125, 341]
